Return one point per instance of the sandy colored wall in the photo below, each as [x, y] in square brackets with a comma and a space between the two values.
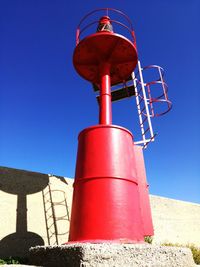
[175, 221]
[35, 210]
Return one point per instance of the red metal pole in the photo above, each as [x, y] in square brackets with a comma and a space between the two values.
[105, 110]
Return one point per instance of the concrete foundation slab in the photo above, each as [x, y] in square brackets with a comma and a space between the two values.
[112, 255]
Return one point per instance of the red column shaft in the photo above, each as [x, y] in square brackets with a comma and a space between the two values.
[105, 110]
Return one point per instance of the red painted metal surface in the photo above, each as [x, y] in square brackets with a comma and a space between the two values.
[106, 200]
[105, 47]
[143, 192]
[105, 112]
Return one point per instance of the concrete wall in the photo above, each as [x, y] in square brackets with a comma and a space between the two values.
[175, 221]
[35, 210]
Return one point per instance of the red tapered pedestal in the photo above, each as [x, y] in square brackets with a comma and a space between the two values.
[106, 200]
[143, 192]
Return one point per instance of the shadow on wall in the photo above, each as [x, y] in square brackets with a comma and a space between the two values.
[56, 213]
[20, 183]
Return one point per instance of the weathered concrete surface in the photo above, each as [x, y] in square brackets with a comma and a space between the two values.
[112, 255]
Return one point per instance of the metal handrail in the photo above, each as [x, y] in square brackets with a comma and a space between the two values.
[153, 66]
[162, 98]
[152, 100]
[145, 102]
[169, 106]
[80, 30]
[106, 9]
[163, 83]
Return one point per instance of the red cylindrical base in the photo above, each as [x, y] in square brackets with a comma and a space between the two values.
[106, 200]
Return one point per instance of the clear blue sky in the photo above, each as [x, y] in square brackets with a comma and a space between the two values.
[44, 103]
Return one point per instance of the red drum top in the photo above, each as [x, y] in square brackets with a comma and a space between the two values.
[105, 47]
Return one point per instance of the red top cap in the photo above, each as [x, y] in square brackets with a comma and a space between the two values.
[104, 19]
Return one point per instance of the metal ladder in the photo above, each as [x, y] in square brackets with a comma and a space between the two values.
[142, 105]
[51, 218]
[146, 103]
[146, 99]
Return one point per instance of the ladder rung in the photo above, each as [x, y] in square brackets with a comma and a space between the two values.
[140, 101]
[63, 218]
[48, 208]
[141, 111]
[51, 225]
[59, 203]
[146, 144]
[145, 131]
[143, 121]
[139, 91]
[51, 235]
[45, 193]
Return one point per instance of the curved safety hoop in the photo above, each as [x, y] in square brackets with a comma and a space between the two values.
[87, 22]
[156, 93]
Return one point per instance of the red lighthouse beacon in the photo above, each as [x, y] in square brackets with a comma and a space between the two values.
[110, 200]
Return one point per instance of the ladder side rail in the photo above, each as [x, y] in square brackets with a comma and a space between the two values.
[67, 208]
[62, 203]
[161, 71]
[66, 205]
[138, 107]
[145, 101]
[150, 101]
[46, 219]
[65, 217]
[53, 213]
[49, 220]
